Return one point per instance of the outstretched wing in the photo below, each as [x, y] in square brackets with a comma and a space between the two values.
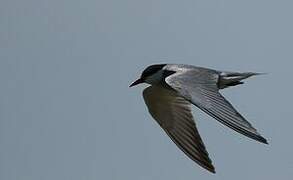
[173, 114]
[200, 88]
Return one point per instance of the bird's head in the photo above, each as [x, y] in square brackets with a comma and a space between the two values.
[153, 74]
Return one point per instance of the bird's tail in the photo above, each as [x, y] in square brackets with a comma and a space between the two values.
[228, 79]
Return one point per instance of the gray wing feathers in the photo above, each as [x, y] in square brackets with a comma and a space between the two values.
[205, 94]
[223, 111]
[173, 114]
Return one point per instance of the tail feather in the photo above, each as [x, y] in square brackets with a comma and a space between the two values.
[228, 79]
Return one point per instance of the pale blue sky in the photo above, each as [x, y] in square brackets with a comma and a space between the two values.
[66, 111]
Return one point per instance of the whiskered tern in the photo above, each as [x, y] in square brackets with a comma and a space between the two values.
[174, 87]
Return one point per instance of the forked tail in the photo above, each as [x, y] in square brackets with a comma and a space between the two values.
[228, 79]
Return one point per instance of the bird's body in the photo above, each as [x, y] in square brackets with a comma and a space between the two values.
[174, 87]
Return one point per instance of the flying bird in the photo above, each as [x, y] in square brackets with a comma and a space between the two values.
[174, 87]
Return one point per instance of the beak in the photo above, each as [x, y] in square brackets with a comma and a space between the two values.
[139, 81]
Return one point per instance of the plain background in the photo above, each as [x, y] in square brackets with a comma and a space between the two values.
[66, 111]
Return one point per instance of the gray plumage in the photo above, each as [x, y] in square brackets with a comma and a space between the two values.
[174, 87]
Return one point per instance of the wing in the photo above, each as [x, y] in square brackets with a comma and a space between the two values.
[173, 114]
[201, 89]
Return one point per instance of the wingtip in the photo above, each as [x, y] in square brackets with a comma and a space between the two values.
[266, 142]
[213, 171]
[210, 168]
[262, 140]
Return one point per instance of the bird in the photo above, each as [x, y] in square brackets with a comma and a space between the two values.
[175, 87]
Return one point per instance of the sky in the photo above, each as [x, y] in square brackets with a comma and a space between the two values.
[66, 111]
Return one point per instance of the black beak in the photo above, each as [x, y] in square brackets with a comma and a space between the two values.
[137, 82]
